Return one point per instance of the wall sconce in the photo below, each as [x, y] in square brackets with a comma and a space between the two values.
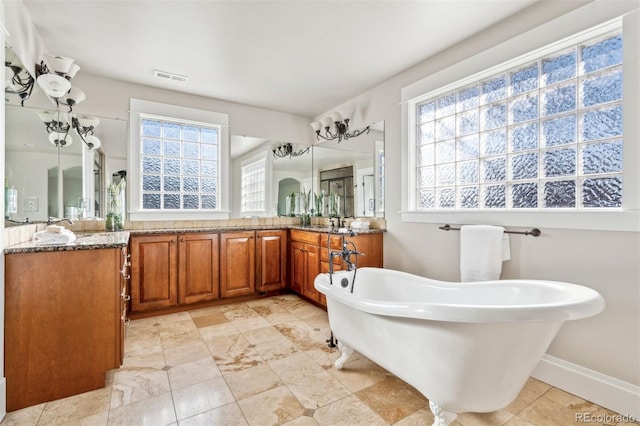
[340, 131]
[286, 150]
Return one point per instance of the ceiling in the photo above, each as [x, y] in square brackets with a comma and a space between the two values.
[300, 57]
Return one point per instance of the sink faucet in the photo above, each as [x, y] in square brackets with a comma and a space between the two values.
[51, 220]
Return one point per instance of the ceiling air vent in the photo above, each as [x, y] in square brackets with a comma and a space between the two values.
[170, 76]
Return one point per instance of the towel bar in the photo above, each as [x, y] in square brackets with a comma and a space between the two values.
[535, 232]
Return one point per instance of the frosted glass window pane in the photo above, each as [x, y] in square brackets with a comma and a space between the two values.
[445, 152]
[150, 201]
[171, 149]
[494, 90]
[604, 157]
[190, 201]
[603, 54]
[426, 112]
[524, 166]
[209, 152]
[494, 169]
[495, 196]
[602, 123]
[191, 150]
[493, 143]
[172, 130]
[151, 128]
[493, 116]
[468, 197]
[171, 201]
[559, 162]
[151, 146]
[524, 108]
[560, 194]
[427, 133]
[525, 79]
[445, 105]
[468, 172]
[559, 131]
[190, 184]
[446, 198]
[559, 68]
[446, 128]
[171, 166]
[426, 155]
[524, 195]
[468, 148]
[602, 192]
[427, 198]
[190, 133]
[150, 165]
[426, 177]
[468, 98]
[524, 137]
[191, 167]
[468, 122]
[171, 184]
[150, 183]
[208, 202]
[559, 100]
[209, 136]
[446, 174]
[208, 185]
[602, 89]
[208, 168]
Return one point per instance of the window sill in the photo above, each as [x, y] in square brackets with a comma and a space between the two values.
[587, 220]
[178, 215]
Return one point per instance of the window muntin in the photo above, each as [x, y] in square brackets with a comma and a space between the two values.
[179, 165]
[543, 135]
[253, 190]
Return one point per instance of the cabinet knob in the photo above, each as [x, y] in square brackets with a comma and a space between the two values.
[182, 240]
[173, 241]
[126, 297]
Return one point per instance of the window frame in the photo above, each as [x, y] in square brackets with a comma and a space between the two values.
[140, 109]
[243, 166]
[521, 50]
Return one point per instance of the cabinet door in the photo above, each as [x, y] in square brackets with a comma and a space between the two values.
[312, 270]
[199, 271]
[298, 260]
[125, 277]
[305, 265]
[237, 263]
[154, 272]
[271, 260]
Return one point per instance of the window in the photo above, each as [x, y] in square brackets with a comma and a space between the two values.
[545, 133]
[253, 187]
[179, 165]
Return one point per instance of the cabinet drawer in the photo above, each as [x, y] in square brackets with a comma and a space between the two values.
[324, 256]
[335, 241]
[305, 237]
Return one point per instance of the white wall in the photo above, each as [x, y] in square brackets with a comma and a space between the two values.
[609, 343]
[3, 380]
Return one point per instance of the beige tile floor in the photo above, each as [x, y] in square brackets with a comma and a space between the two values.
[266, 362]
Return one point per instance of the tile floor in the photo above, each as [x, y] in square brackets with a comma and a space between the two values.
[265, 362]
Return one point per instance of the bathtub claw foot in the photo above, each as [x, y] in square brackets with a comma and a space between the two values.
[442, 416]
[346, 353]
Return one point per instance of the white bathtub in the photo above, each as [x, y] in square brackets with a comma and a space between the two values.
[467, 347]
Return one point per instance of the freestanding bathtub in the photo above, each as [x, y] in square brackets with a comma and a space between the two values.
[467, 347]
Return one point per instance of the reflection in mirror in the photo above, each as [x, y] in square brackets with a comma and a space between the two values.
[51, 180]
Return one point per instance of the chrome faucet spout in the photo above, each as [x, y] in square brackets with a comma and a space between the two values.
[51, 220]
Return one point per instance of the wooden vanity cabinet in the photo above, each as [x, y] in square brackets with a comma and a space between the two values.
[154, 272]
[125, 278]
[199, 267]
[237, 263]
[271, 260]
[305, 265]
[63, 328]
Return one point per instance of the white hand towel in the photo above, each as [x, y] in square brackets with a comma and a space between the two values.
[482, 250]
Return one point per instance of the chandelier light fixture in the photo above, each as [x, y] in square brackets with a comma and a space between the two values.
[340, 131]
[286, 150]
[59, 126]
[18, 81]
[54, 78]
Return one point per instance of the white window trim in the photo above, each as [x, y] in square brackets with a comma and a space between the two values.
[262, 157]
[601, 18]
[139, 108]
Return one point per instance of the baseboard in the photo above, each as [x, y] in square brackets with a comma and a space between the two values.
[3, 398]
[606, 391]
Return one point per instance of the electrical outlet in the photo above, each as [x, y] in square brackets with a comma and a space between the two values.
[30, 204]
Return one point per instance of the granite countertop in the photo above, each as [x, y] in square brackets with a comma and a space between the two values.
[312, 228]
[84, 241]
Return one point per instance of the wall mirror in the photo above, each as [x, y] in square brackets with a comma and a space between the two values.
[54, 181]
